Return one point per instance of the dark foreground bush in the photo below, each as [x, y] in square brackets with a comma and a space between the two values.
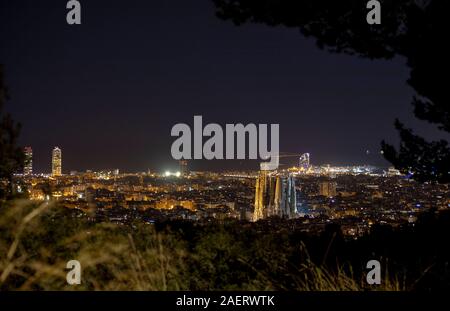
[37, 241]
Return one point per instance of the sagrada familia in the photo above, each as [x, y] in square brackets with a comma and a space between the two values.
[275, 195]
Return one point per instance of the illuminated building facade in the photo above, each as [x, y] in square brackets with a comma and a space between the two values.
[304, 162]
[327, 189]
[28, 164]
[56, 162]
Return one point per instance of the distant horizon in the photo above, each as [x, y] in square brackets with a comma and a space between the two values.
[175, 167]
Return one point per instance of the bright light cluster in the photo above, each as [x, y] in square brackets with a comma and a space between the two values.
[169, 173]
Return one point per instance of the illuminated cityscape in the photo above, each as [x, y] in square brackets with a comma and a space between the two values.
[355, 197]
[225, 153]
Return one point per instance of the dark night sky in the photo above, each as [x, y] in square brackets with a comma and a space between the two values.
[108, 92]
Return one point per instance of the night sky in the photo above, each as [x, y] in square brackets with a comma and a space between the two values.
[109, 91]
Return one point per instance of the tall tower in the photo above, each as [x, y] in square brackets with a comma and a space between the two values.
[304, 162]
[293, 197]
[183, 168]
[56, 162]
[277, 199]
[258, 212]
[28, 165]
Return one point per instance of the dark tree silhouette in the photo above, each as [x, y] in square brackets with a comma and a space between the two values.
[415, 29]
[11, 155]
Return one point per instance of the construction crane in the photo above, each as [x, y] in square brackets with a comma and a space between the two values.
[291, 155]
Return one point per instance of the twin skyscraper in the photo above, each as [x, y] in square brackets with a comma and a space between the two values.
[56, 161]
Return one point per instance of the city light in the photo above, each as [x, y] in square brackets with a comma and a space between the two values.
[170, 174]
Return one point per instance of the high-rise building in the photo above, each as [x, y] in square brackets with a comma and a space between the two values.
[28, 164]
[327, 189]
[56, 162]
[304, 162]
[183, 168]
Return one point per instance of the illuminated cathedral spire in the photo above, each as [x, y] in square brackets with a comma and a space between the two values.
[274, 196]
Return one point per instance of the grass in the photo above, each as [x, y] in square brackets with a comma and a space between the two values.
[37, 240]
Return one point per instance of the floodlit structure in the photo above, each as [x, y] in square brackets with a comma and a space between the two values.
[304, 164]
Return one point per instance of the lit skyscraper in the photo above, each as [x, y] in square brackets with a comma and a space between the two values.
[28, 164]
[56, 162]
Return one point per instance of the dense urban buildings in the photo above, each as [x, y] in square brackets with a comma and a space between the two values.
[327, 189]
[355, 197]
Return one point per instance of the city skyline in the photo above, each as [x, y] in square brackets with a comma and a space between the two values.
[302, 162]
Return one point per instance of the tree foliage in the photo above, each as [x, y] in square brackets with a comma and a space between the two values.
[11, 155]
[414, 29]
